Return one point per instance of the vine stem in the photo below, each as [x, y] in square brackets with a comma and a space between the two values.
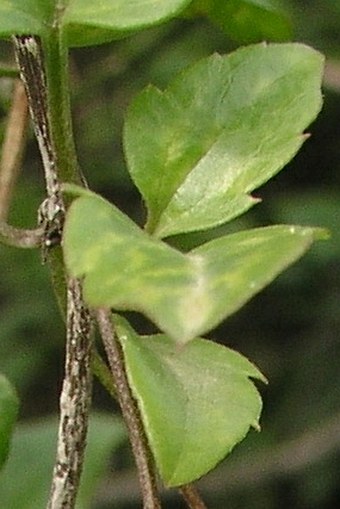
[129, 410]
[30, 59]
[191, 496]
[76, 391]
[18, 237]
[75, 402]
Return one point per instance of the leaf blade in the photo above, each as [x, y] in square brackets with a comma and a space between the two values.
[190, 149]
[196, 403]
[185, 295]
[112, 19]
[84, 22]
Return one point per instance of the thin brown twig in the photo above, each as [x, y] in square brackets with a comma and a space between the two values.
[192, 497]
[75, 402]
[30, 58]
[18, 237]
[13, 147]
[10, 162]
[76, 392]
[130, 411]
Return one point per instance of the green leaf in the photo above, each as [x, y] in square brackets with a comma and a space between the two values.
[196, 402]
[184, 294]
[220, 130]
[111, 19]
[9, 406]
[25, 16]
[85, 22]
[247, 20]
[34, 445]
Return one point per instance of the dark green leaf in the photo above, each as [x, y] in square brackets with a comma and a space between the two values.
[219, 131]
[247, 20]
[185, 295]
[9, 405]
[196, 402]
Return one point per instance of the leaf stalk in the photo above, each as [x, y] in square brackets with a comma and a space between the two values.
[147, 478]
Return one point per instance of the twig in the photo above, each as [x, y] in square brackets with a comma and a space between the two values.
[192, 497]
[130, 411]
[13, 147]
[11, 157]
[21, 238]
[30, 60]
[332, 74]
[75, 401]
[76, 392]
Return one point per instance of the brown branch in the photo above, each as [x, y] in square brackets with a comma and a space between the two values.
[191, 496]
[75, 402]
[130, 411]
[10, 162]
[13, 147]
[30, 58]
[332, 74]
[21, 238]
[76, 391]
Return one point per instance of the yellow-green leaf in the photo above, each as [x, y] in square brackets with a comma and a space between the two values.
[186, 295]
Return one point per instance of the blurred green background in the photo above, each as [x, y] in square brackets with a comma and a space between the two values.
[291, 330]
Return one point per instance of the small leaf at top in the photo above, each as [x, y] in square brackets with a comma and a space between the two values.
[220, 130]
[184, 294]
[85, 22]
[196, 402]
[9, 405]
[110, 19]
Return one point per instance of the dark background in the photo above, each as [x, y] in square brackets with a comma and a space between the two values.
[291, 330]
